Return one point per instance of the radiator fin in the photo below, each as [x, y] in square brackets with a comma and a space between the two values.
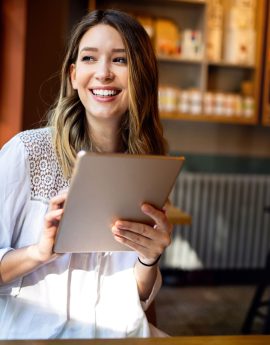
[230, 228]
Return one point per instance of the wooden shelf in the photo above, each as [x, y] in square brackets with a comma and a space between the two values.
[170, 2]
[209, 118]
[194, 2]
[97, 3]
[178, 58]
[229, 64]
[266, 80]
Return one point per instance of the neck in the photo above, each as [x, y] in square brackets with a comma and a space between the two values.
[105, 137]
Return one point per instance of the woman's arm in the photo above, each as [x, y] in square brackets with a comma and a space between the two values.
[19, 262]
[149, 242]
[145, 277]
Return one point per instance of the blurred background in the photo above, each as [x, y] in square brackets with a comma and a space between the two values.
[214, 99]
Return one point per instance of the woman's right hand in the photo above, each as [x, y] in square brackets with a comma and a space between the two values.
[51, 222]
[19, 262]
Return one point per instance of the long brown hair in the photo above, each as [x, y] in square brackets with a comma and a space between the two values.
[141, 129]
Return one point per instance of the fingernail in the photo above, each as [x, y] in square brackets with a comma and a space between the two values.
[145, 208]
[118, 224]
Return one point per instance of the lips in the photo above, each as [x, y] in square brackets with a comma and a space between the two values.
[105, 92]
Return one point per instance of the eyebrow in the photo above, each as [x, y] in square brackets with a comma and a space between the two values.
[116, 50]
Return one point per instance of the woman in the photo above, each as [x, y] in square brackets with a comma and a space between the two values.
[107, 103]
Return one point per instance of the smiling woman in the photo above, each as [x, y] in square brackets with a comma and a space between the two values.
[107, 103]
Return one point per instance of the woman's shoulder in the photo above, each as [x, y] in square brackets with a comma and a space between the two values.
[36, 139]
[45, 172]
[29, 143]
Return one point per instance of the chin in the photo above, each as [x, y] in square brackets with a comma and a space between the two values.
[107, 116]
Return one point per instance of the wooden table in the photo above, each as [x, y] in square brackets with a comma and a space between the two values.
[177, 216]
[196, 340]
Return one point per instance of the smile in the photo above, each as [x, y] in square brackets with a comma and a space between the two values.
[105, 93]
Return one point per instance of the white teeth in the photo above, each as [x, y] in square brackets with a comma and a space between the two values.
[100, 92]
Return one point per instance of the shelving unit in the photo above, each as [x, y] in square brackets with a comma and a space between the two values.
[208, 77]
[266, 83]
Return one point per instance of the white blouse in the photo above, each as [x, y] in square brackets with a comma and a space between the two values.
[77, 295]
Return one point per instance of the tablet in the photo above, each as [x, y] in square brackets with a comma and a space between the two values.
[107, 187]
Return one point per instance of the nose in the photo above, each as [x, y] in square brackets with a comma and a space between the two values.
[104, 72]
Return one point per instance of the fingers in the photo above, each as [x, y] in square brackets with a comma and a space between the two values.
[138, 228]
[144, 235]
[130, 234]
[58, 201]
[51, 223]
[148, 241]
[129, 238]
[52, 218]
[144, 231]
[55, 211]
[145, 247]
[158, 216]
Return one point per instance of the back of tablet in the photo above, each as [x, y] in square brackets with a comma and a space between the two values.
[107, 187]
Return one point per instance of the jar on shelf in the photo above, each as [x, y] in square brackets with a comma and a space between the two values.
[195, 102]
[183, 103]
[248, 106]
[219, 101]
[168, 98]
[229, 104]
[208, 103]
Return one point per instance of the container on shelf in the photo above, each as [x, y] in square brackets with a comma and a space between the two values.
[214, 30]
[240, 37]
[191, 44]
[168, 98]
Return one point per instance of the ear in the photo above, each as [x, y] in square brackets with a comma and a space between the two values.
[72, 72]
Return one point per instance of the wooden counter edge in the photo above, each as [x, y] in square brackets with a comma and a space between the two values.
[184, 340]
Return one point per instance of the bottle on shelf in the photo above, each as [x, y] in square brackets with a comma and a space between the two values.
[240, 37]
[214, 30]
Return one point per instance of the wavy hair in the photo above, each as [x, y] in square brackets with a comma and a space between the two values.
[141, 129]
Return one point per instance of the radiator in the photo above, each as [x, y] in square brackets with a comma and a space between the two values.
[230, 228]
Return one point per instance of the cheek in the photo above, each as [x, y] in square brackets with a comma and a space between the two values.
[82, 76]
[126, 100]
[125, 78]
[81, 81]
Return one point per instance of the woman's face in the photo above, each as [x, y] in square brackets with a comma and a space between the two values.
[100, 74]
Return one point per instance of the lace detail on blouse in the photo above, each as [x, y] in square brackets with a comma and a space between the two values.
[46, 175]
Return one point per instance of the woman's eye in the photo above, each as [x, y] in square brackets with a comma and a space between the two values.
[121, 60]
[88, 58]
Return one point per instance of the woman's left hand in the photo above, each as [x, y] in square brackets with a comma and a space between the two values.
[149, 242]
